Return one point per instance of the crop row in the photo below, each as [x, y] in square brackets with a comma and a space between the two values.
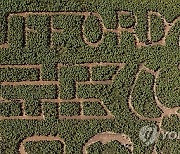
[156, 28]
[19, 74]
[12, 108]
[143, 98]
[44, 147]
[111, 147]
[31, 94]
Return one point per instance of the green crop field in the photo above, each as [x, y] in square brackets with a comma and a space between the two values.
[89, 77]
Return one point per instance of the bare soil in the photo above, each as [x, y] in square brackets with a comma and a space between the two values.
[106, 137]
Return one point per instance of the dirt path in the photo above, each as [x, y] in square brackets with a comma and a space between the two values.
[82, 116]
[30, 83]
[167, 112]
[5, 45]
[23, 116]
[106, 137]
[21, 66]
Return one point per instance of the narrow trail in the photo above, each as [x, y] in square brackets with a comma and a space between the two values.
[21, 66]
[167, 112]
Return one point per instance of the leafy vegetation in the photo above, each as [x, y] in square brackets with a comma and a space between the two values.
[19, 74]
[171, 142]
[71, 35]
[44, 147]
[50, 110]
[70, 109]
[93, 29]
[33, 108]
[93, 109]
[142, 26]
[143, 98]
[51, 34]
[15, 32]
[156, 28]
[31, 94]
[49, 72]
[38, 37]
[92, 91]
[101, 73]
[68, 76]
[126, 20]
[12, 108]
[111, 147]
[168, 86]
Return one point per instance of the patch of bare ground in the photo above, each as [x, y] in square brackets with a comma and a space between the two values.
[21, 66]
[154, 150]
[106, 137]
[25, 117]
[40, 138]
[5, 45]
[30, 83]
